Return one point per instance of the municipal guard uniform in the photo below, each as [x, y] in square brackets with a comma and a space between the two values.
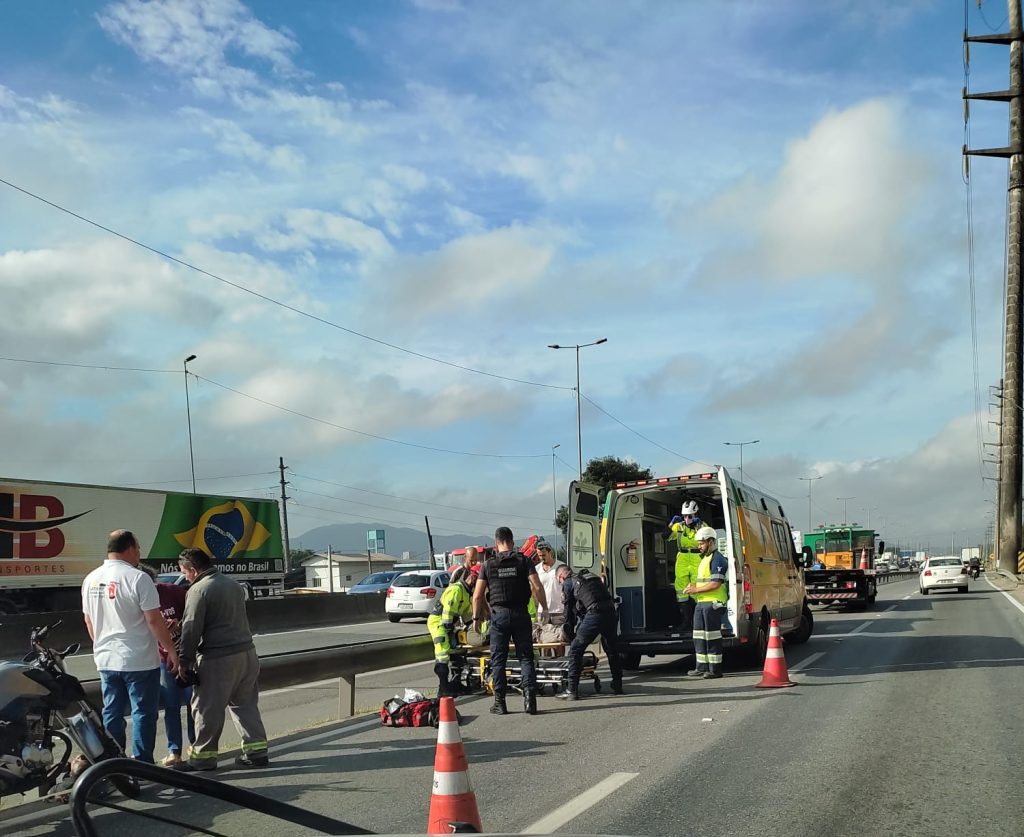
[456, 602]
[707, 618]
[587, 599]
[507, 576]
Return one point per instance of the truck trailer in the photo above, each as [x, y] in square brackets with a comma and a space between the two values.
[841, 565]
[53, 534]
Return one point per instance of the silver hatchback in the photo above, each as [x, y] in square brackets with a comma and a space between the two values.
[413, 593]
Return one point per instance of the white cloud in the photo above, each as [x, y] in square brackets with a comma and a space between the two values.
[194, 38]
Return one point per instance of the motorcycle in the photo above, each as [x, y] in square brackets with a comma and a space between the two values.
[42, 707]
[974, 571]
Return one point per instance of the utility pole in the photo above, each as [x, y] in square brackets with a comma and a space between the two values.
[809, 480]
[1008, 515]
[330, 569]
[430, 544]
[284, 517]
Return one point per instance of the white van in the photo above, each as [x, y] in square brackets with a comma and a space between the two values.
[630, 546]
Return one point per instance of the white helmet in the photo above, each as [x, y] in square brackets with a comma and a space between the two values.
[689, 507]
[705, 533]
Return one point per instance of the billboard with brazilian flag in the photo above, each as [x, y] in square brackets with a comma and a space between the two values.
[53, 534]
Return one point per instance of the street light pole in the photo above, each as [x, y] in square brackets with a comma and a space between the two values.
[554, 494]
[579, 420]
[809, 480]
[845, 501]
[741, 445]
[188, 416]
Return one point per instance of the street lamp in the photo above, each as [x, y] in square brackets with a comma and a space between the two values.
[845, 501]
[740, 445]
[579, 431]
[188, 415]
[554, 494]
[809, 480]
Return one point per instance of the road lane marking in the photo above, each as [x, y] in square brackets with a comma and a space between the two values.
[576, 806]
[807, 662]
[1009, 598]
[862, 627]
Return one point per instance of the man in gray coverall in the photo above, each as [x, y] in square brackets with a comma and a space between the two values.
[217, 645]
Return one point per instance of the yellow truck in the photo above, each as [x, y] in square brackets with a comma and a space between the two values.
[625, 539]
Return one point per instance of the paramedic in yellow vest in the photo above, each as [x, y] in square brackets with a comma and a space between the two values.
[455, 603]
[711, 593]
[683, 528]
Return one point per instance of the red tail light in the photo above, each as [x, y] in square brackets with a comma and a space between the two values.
[391, 591]
[748, 602]
[927, 572]
[429, 592]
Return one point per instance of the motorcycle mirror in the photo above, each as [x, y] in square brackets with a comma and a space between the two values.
[71, 649]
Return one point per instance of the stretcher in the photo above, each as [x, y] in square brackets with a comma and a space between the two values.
[471, 670]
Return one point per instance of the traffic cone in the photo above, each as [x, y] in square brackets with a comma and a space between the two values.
[776, 675]
[863, 560]
[452, 800]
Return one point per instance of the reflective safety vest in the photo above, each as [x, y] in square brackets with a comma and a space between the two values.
[685, 538]
[455, 602]
[720, 593]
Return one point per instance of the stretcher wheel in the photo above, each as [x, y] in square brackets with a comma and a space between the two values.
[597, 684]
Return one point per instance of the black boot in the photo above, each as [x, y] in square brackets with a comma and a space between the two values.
[442, 672]
[530, 702]
[569, 693]
[617, 688]
[499, 707]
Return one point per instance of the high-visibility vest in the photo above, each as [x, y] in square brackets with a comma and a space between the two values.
[720, 593]
[685, 537]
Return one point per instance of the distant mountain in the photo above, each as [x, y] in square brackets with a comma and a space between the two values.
[351, 537]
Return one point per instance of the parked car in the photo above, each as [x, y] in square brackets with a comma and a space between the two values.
[414, 592]
[375, 582]
[178, 579]
[943, 572]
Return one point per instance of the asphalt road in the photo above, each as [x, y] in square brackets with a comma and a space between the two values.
[906, 720]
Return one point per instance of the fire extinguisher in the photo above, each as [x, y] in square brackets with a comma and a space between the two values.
[631, 557]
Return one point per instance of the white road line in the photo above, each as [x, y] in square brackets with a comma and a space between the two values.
[576, 806]
[334, 680]
[862, 627]
[809, 661]
[1009, 598]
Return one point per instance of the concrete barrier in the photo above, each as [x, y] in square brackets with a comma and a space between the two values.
[265, 616]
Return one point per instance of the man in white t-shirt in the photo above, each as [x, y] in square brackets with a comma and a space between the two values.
[547, 572]
[122, 614]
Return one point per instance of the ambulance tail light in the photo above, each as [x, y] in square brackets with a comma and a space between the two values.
[748, 601]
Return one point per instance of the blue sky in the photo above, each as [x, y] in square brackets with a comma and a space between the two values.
[759, 205]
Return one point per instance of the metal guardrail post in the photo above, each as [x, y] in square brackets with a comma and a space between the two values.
[346, 696]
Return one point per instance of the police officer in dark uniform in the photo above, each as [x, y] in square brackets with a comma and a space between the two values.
[510, 577]
[588, 600]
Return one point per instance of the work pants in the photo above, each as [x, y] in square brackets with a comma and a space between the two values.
[442, 639]
[595, 623]
[707, 636]
[687, 564]
[511, 624]
[227, 684]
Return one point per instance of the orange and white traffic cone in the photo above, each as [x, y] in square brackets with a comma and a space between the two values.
[452, 800]
[776, 675]
[863, 560]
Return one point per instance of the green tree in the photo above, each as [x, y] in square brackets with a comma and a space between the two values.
[297, 556]
[605, 471]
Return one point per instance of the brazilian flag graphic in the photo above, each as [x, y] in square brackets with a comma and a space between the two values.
[227, 530]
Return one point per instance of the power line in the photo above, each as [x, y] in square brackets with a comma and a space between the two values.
[374, 519]
[370, 435]
[88, 365]
[270, 299]
[642, 436]
[202, 479]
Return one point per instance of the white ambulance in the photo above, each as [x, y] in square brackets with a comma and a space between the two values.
[629, 544]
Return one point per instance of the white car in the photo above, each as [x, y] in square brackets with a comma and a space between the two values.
[939, 573]
[413, 593]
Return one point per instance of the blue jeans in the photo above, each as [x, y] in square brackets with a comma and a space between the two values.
[515, 625]
[173, 697]
[142, 690]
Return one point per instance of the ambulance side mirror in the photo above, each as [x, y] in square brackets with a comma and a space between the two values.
[807, 559]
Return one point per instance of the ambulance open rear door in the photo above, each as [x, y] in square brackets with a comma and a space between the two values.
[582, 550]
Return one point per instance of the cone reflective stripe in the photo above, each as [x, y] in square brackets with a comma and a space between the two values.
[452, 799]
[776, 675]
